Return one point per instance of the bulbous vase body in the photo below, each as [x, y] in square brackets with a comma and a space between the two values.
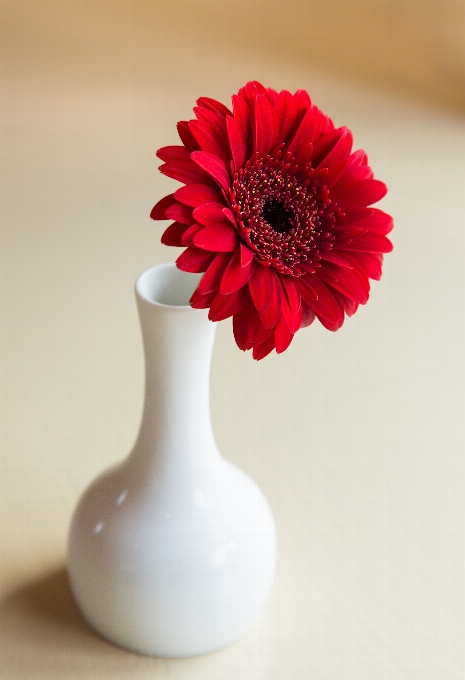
[172, 552]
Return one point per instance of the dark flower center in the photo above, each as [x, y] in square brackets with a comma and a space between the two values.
[277, 216]
[283, 213]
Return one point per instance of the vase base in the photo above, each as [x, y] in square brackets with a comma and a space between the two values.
[181, 651]
[178, 586]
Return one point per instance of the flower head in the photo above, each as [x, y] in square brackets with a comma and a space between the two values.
[275, 211]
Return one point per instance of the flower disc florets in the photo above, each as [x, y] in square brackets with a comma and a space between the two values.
[275, 212]
[282, 215]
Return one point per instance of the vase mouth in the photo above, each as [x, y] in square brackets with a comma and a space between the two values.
[167, 286]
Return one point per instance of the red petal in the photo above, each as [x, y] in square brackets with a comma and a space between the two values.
[219, 238]
[292, 292]
[228, 213]
[282, 336]
[324, 145]
[307, 292]
[210, 214]
[319, 175]
[304, 156]
[236, 142]
[188, 236]
[380, 222]
[350, 282]
[180, 213]
[214, 105]
[243, 119]
[250, 91]
[301, 106]
[337, 258]
[241, 329]
[308, 315]
[349, 306]
[361, 193]
[224, 306]
[344, 235]
[211, 140]
[366, 220]
[186, 172]
[214, 166]
[196, 194]
[261, 285]
[270, 318]
[325, 305]
[353, 215]
[173, 153]
[328, 125]
[302, 100]
[254, 87]
[210, 281]
[213, 118]
[330, 325]
[292, 320]
[370, 263]
[158, 210]
[285, 114]
[371, 242]
[308, 131]
[247, 327]
[356, 174]
[173, 235]
[339, 151]
[199, 301]
[258, 332]
[357, 159]
[246, 255]
[272, 95]
[266, 126]
[262, 349]
[235, 275]
[186, 136]
[194, 260]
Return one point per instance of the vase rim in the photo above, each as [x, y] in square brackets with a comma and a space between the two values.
[164, 285]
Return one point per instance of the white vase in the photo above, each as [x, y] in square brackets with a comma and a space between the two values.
[172, 552]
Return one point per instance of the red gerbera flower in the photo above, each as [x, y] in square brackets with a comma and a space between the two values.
[275, 212]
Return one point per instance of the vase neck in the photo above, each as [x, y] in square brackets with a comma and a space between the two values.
[175, 431]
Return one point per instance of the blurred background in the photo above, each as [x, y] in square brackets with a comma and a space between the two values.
[356, 437]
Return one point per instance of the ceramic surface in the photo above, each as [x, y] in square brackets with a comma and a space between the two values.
[172, 552]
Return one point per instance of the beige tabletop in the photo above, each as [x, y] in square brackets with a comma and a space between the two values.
[356, 437]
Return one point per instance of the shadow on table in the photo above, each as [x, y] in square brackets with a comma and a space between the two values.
[43, 631]
[45, 636]
[48, 602]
